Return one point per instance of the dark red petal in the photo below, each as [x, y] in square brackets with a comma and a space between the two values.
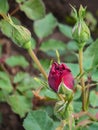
[68, 80]
[54, 81]
[59, 73]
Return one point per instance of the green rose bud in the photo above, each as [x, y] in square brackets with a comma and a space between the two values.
[20, 35]
[81, 33]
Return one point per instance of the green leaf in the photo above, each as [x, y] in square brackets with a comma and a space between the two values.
[3, 95]
[19, 104]
[49, 109]
[34, 9]
[4, 76]
[19, 1]
[48, 93]
[93, 110]
[45, 26]
[95, 75]
[53, 45]
[7, 28]
[94, 126]
[74, 68]
[38, 120]
[93, 99]
[66, 30]
[17, 61]
[77, 106]
[5, 83]
[26, 83]
[45, 63]
[93, 20]
[28, 94]
[91, 54]
[4, 6]
[16, 20]
[19, 77]
[88, 62]
[77, 94]
[72, 46]
[70, 57]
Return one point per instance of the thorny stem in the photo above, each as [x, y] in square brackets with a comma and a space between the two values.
[33, 56]
[82, 78]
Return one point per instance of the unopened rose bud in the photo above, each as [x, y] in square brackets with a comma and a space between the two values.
[20, 35]
[81, 32]
[60, 74]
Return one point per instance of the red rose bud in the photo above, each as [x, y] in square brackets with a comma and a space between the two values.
[60, 74]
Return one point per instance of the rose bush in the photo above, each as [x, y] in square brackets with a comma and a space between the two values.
[60, 73]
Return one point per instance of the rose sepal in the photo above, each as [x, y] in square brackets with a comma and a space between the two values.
[66, 92]
[63, 109]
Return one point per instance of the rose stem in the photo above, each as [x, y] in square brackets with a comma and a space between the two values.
[34, 57]
[82, 78]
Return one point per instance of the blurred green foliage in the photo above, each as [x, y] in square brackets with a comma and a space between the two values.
[17, 89]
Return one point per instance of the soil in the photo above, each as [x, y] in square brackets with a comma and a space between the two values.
[10, 121]
[60, 9]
